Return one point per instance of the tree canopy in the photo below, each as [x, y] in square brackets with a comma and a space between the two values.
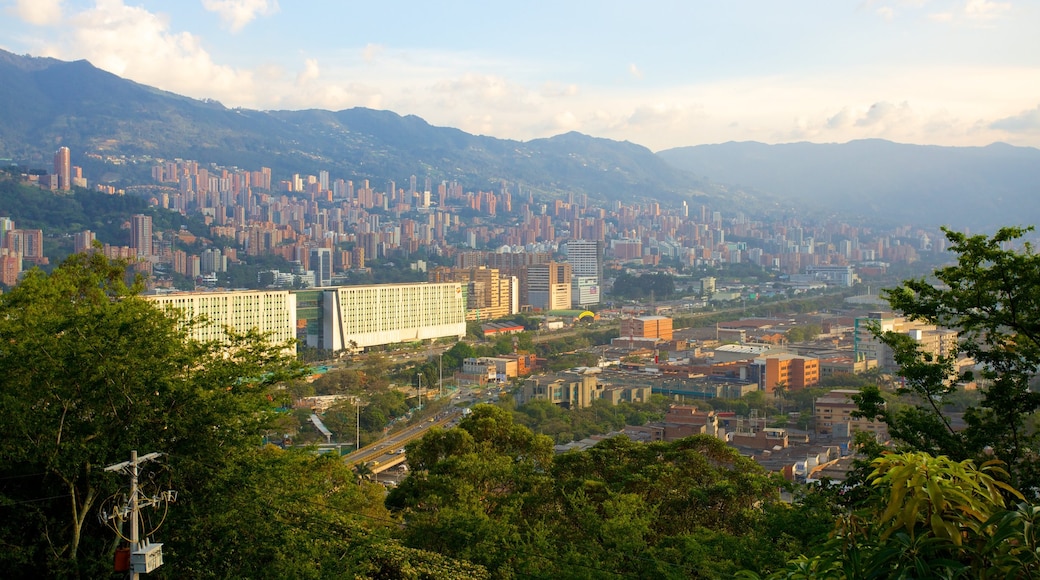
[991, 297]
[92, 371]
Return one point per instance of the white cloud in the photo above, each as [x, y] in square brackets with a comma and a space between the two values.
[131, 42]
[985, 9]
[634, 71]
[887, 13]
[236, 14]
[38, 12]
[518, 99]
[309, 73]
[882, 113]
[1024, 122]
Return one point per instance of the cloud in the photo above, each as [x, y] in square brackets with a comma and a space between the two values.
[887, 13]
[309, 73]
[38, 12]
[557, 90]
[972, 12]
[985, 9]
[1024, 122]
[882, 112]
[236, 14]
[131, 42]
[634, 71]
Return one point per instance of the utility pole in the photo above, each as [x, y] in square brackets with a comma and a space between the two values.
[440, 374]
[144, 556]
[418, 388]
[357, 425]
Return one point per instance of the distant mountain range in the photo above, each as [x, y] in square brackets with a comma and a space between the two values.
[46, 103]
[976, 187]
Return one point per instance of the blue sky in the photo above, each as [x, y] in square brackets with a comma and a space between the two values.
[658, 73]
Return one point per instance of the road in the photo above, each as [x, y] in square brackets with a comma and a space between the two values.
[389, 451]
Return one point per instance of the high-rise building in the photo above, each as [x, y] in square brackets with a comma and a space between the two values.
[489, 295]
[321, 264]
[548, 286]
[63, 168]
[586, 260]
[141, 235]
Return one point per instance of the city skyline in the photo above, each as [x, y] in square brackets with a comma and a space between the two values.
[944, 72]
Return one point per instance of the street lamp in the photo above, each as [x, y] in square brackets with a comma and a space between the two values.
[418, 388]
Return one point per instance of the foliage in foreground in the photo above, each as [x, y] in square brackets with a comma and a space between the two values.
[491, 492]
[930, 517]
[990, 296]
[91, 371]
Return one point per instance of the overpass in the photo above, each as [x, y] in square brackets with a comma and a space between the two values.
[389, 451]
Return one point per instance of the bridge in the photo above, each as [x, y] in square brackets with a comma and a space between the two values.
[389, 451]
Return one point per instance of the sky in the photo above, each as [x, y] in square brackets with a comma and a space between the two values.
[657, 73]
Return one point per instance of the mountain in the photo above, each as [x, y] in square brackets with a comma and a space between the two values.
[975, 187]
[46, 103]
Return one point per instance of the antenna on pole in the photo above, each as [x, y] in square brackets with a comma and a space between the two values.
[144, 556]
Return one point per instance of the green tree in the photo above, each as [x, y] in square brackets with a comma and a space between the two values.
[929, 517]
[91, 372]
[989, 296]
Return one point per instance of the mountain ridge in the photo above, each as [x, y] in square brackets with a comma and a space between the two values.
[981, 187]
[106, 114]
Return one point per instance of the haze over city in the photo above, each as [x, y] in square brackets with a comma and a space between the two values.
[660, 74]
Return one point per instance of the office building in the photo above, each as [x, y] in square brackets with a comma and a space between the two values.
[358, 317]
[585, 257]
[321, 265]
[655, 327]
[548, 286]
[793, 371]
[271, 312]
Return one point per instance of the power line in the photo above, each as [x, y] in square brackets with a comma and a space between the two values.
[10, 503]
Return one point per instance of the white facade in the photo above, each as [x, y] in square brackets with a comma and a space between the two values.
[585, 290]
[585, 257]
[357, 317]
[837, 275]
[271, 312]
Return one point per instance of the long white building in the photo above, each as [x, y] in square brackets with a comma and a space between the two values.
[357, 317]
[271, 312]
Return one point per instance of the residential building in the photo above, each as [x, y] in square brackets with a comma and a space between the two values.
[141, 235]
[931, 339]
[833, 416]
[63, 168]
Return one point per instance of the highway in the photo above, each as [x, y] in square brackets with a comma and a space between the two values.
[389, 451]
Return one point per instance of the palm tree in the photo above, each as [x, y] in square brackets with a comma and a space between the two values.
[781, 392]
[363, 472]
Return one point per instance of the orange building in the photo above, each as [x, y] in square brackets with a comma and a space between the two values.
[659, 327]
[796, 372]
